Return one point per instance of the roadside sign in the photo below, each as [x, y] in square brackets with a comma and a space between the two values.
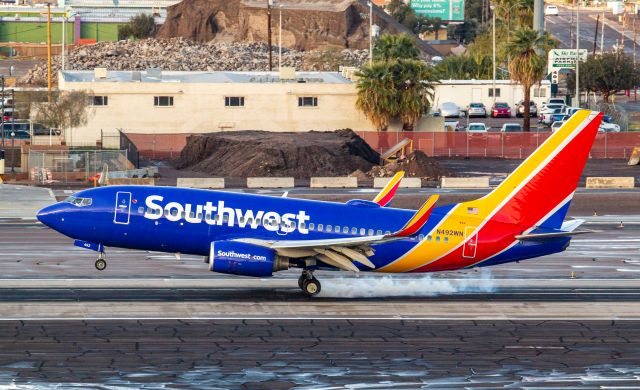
[564, 59]
[448, 10]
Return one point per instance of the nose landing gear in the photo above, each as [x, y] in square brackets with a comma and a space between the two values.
[309, 284]
[101, 263]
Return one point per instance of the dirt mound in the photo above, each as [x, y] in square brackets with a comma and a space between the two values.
[416, 164]
[262, 153]
[306, 25]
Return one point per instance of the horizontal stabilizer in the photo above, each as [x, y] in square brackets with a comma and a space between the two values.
[547, 236]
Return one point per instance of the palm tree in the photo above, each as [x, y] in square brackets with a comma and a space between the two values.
[376, 94]
[391, 47]
[401, 89]
[527, 65]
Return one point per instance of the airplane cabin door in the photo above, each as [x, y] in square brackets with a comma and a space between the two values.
[471, 245]
[123, 208]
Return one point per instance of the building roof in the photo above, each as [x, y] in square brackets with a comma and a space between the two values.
[157, 76]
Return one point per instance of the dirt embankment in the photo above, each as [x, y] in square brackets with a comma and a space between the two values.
[306, 25]
[262, 153]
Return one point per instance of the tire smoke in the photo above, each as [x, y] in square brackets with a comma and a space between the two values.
[403, 286]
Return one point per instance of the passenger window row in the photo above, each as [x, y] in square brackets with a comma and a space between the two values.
[249, 222]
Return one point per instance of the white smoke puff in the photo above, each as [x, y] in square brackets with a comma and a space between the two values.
[390, 286]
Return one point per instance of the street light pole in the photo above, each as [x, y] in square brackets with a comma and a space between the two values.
[493, 11]
[13, 152]
[578, 52]
[370, 33]
[64, 17]
[602, 35]
[49, 51]
[280, 39]
[269, 33]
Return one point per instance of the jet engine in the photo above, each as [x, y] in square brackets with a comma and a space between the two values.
[239, 258]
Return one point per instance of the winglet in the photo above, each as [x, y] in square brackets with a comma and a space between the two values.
[419, 218]
[388, 192]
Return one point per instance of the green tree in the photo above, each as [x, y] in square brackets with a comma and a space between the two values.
[140, 26]
[428, 25]
[395, 89]
[389, 47]
[607, 74]
[402, 13]
[66, 111]
[527, 65]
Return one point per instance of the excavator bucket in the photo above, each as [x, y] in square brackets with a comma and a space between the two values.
[635, 156]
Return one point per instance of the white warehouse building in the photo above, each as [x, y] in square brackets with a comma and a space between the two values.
[156, 102]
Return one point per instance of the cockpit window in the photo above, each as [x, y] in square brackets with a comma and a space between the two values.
[80, 202]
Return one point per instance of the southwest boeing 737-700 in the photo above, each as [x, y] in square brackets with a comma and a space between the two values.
[257, 235]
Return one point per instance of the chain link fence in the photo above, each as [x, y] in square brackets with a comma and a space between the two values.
[72, 166]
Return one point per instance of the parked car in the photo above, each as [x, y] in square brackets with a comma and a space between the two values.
[17, 134]
[551, 107]
[533, 109]
[476, 109]
[8, 113]
[608, 128]
[555, 117]
[455, 125]
[551, 10]
[477, 128]
[449, 110]
[500, 109]
[552, 101]
[556, 126]
[511, 128]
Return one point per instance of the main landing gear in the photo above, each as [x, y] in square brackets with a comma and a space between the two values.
[101, 263]
[308, 283]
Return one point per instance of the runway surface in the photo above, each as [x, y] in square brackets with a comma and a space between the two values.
[150, 320]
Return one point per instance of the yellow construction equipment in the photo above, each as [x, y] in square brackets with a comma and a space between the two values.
[398, 150]
[635, 156]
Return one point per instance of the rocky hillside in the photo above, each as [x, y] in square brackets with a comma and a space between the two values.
[306, 25]
[185, 55]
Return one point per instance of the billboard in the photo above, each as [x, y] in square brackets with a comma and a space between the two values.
[564, 58]
[452, 10]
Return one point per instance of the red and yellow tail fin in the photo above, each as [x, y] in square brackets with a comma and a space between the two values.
[419, 218]
[547, 179]
[388, 192]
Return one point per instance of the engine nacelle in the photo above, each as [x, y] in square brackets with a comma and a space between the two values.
[239, 258]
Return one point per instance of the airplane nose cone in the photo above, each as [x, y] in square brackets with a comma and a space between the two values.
[48, 214]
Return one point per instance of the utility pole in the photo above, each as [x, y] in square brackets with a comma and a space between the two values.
[2, 113]
[538, 15]
[48, 52]
[64, 17]
[578, 52]
[624, 23]
[370, 33]
[280, 39]
[493, 12]
[595, 39]
[269, 33]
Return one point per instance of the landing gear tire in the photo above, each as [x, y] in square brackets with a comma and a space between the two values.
[101, 264]
[311, 287]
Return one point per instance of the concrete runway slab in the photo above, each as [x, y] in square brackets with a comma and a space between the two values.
[319, 354]
[23, 202]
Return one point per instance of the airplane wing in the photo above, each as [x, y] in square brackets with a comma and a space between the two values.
[385, 195]
[342, 252]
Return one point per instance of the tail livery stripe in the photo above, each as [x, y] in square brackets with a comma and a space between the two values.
[534, 181]
[389, 191]
[419, 218]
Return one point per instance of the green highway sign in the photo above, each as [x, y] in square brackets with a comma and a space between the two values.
[452, 10]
